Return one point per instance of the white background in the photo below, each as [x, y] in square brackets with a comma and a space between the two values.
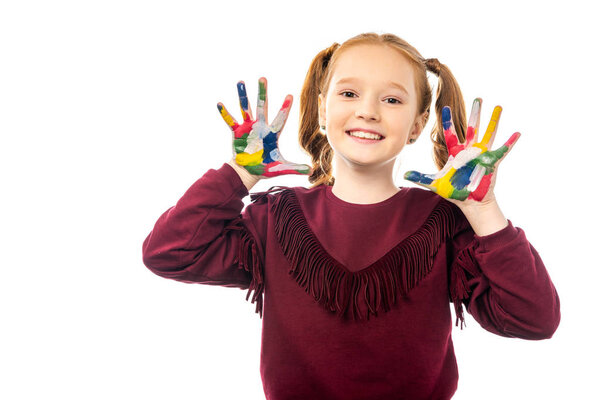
[108, 114]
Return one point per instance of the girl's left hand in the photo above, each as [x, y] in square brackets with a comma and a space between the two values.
[470, 173]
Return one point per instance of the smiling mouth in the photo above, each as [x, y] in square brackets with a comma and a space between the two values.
[365, 136]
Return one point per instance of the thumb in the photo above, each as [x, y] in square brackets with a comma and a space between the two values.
[290, 168]
[417, 177]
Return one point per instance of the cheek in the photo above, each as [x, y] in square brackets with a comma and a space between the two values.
[401, 121]
[337, 115]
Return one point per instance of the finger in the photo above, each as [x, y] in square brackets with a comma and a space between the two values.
[490, 133]
[301, 169]
[244, 105]
[226, 116]
[262, 102]
[452, 143]
[490, 159]
[512, 140]
[286, 167]
[419, 178]
[282, 115]
[476, 176]
[503, 151]
[473, 127]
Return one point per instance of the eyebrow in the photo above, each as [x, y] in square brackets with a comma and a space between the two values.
[346, 80]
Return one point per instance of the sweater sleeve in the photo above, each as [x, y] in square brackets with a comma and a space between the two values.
[503, 282]
[206, 238]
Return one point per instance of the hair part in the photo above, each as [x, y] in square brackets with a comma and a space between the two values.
[317, 81]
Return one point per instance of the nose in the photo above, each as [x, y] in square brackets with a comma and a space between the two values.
[367, 110]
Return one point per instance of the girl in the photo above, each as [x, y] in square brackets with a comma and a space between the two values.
[355, 273]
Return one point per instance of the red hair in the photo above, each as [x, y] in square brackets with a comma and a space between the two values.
[317, 81]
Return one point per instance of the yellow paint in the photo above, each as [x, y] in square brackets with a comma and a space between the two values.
[227, 117]
[492, 125]
[481, 146]
[246, 159]
[443, 186]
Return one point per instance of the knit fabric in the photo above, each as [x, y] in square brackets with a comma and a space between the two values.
[355, 298]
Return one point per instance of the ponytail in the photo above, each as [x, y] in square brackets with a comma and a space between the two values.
[311, 139]
[448, 94]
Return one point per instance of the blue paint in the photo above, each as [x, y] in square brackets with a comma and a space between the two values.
[269, 144]
[446, 117]
[418, 177]
[242, 94]
[462, 177]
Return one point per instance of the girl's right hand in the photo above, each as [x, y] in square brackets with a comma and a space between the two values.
[255, 142]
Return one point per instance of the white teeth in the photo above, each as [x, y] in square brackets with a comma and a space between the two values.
[367, 135]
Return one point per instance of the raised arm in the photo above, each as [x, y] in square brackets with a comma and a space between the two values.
[205, 238]
[504, 284]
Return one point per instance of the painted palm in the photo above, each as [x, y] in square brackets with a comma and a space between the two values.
[470, 170]
[254, 141]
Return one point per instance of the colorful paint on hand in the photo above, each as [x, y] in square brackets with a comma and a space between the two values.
[254, 141]
[471, 165]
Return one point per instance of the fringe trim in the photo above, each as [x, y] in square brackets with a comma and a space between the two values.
[248, 254]
[459, 288]
[340, 290]
[259, 197]
[248, 260]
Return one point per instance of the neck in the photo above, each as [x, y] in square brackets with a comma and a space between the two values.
[363, 184]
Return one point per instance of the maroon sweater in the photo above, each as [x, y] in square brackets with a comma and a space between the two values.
[355, 298]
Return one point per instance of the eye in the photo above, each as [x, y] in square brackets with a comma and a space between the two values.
[343, 94]
[395, 101]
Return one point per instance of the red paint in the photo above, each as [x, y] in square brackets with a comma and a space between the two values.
[241, 130]
[482, 189]
[451, 140]
[452, 143]
[286, 104]
[269, 166]
[512, 139]
[470, 134]
[269, 174]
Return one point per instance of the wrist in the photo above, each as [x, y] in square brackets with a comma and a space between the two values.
[247, 178]
[486, 218]
[478, 207]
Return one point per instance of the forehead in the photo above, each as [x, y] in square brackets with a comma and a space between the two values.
[374, 64]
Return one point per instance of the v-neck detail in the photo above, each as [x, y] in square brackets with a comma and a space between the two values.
[336, 200]
[336, 287]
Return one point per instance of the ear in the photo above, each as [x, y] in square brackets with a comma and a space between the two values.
[418, 126]
[321, 101]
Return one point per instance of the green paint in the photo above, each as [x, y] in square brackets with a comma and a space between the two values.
[489, 159]
[460, 194]
[262, 91]
[240, 144]
[255, 169]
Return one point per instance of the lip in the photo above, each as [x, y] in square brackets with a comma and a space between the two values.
[363, 141]
[366, 130]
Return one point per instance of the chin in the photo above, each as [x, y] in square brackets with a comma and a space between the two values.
[363, 161]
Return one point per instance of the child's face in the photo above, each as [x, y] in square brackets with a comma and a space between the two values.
[362, 95]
